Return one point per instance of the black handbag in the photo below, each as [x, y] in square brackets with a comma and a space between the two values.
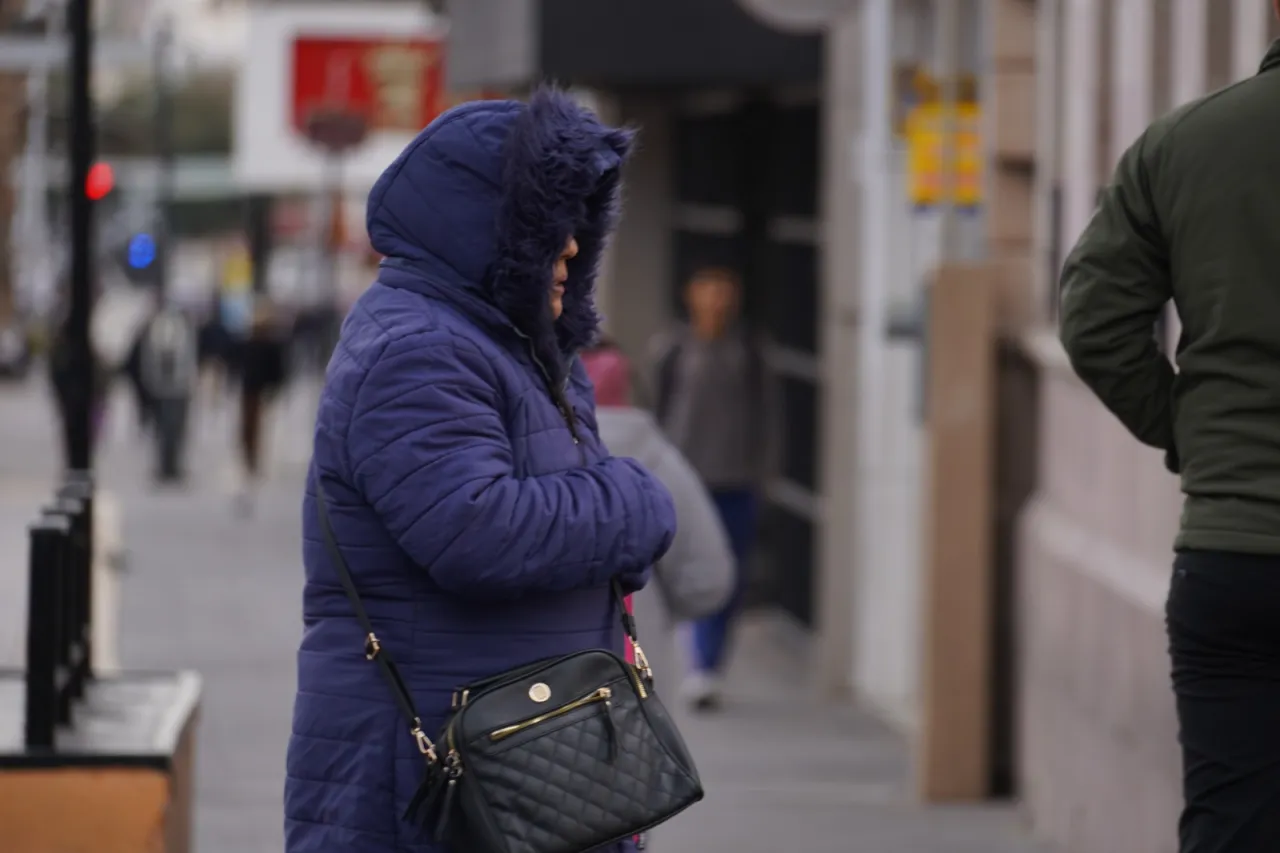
[562, 755]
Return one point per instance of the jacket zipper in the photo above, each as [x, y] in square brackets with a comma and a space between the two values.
[561, 401]
[602, 694]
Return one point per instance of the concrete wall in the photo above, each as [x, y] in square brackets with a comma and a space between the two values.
[1098, 766]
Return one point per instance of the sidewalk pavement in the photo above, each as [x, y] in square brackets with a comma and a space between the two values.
[212, 591]
[783, 772]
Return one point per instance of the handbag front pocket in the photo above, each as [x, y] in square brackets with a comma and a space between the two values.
[600, 696]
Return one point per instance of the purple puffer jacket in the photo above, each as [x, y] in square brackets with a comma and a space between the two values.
[481, 535]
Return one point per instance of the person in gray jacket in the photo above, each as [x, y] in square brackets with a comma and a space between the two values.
[168, 363]
[697, 576]
[716, 399]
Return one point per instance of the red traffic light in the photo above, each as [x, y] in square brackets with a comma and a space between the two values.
[100, 182]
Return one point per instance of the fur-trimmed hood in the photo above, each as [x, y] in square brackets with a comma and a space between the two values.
[478, 207]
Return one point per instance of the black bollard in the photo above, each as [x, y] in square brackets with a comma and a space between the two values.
[48, 542]
[63, 617]
[74, 601]
[80, 485]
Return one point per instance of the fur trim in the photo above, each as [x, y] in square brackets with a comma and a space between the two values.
[561, 178]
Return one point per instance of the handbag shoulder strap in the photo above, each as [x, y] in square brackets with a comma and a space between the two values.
[372, 647]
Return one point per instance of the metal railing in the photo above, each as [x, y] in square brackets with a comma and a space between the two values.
[59, 609]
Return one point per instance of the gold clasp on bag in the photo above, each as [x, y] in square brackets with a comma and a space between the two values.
[371, 647]
[643, 670]
[425, 746]
[642, 662]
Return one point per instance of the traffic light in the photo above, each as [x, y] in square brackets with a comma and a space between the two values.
[141, 251]
[100, 181]
[137, 258]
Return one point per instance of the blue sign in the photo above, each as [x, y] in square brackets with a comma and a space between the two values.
[142, 251]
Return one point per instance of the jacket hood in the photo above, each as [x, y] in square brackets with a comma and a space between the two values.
[479, 206]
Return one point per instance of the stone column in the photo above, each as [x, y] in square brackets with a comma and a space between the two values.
[1018, 122]
[841, 278]
[1131, 75]
[1082, 92]
[1251, 26]
[1189, 72]
[1189, 58]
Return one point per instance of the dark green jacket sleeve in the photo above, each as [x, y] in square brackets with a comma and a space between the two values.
[1115, 283]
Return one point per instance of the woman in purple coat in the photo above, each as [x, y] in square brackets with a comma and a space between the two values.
[456, 439]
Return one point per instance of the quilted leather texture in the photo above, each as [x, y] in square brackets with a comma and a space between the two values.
[559, 792]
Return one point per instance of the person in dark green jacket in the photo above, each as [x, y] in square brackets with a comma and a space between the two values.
[1192, 215]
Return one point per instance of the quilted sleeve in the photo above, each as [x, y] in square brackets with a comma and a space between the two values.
[430, 453]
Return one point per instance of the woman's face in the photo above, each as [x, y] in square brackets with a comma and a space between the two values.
[559, 275]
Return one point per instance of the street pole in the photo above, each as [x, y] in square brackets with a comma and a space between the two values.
[164, 153]
[81, 144]
[34, 266]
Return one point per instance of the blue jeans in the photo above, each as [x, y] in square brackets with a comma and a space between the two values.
[710, 634]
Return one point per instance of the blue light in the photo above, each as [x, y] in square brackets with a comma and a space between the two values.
[142, 251]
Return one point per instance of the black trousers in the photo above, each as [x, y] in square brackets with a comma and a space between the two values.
[1223, 618]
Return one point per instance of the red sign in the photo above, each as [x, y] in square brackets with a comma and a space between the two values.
[395, 85]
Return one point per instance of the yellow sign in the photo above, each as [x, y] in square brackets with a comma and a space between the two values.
[237, 272]
[927, 155]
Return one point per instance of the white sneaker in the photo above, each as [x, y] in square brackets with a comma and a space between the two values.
[701, 690]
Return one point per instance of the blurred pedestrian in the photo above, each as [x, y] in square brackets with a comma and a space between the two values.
[482, 519]
[262, 374]
[714, 402]
[144, 405]
[1191, 216]
[216, 356]
[167, 367]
